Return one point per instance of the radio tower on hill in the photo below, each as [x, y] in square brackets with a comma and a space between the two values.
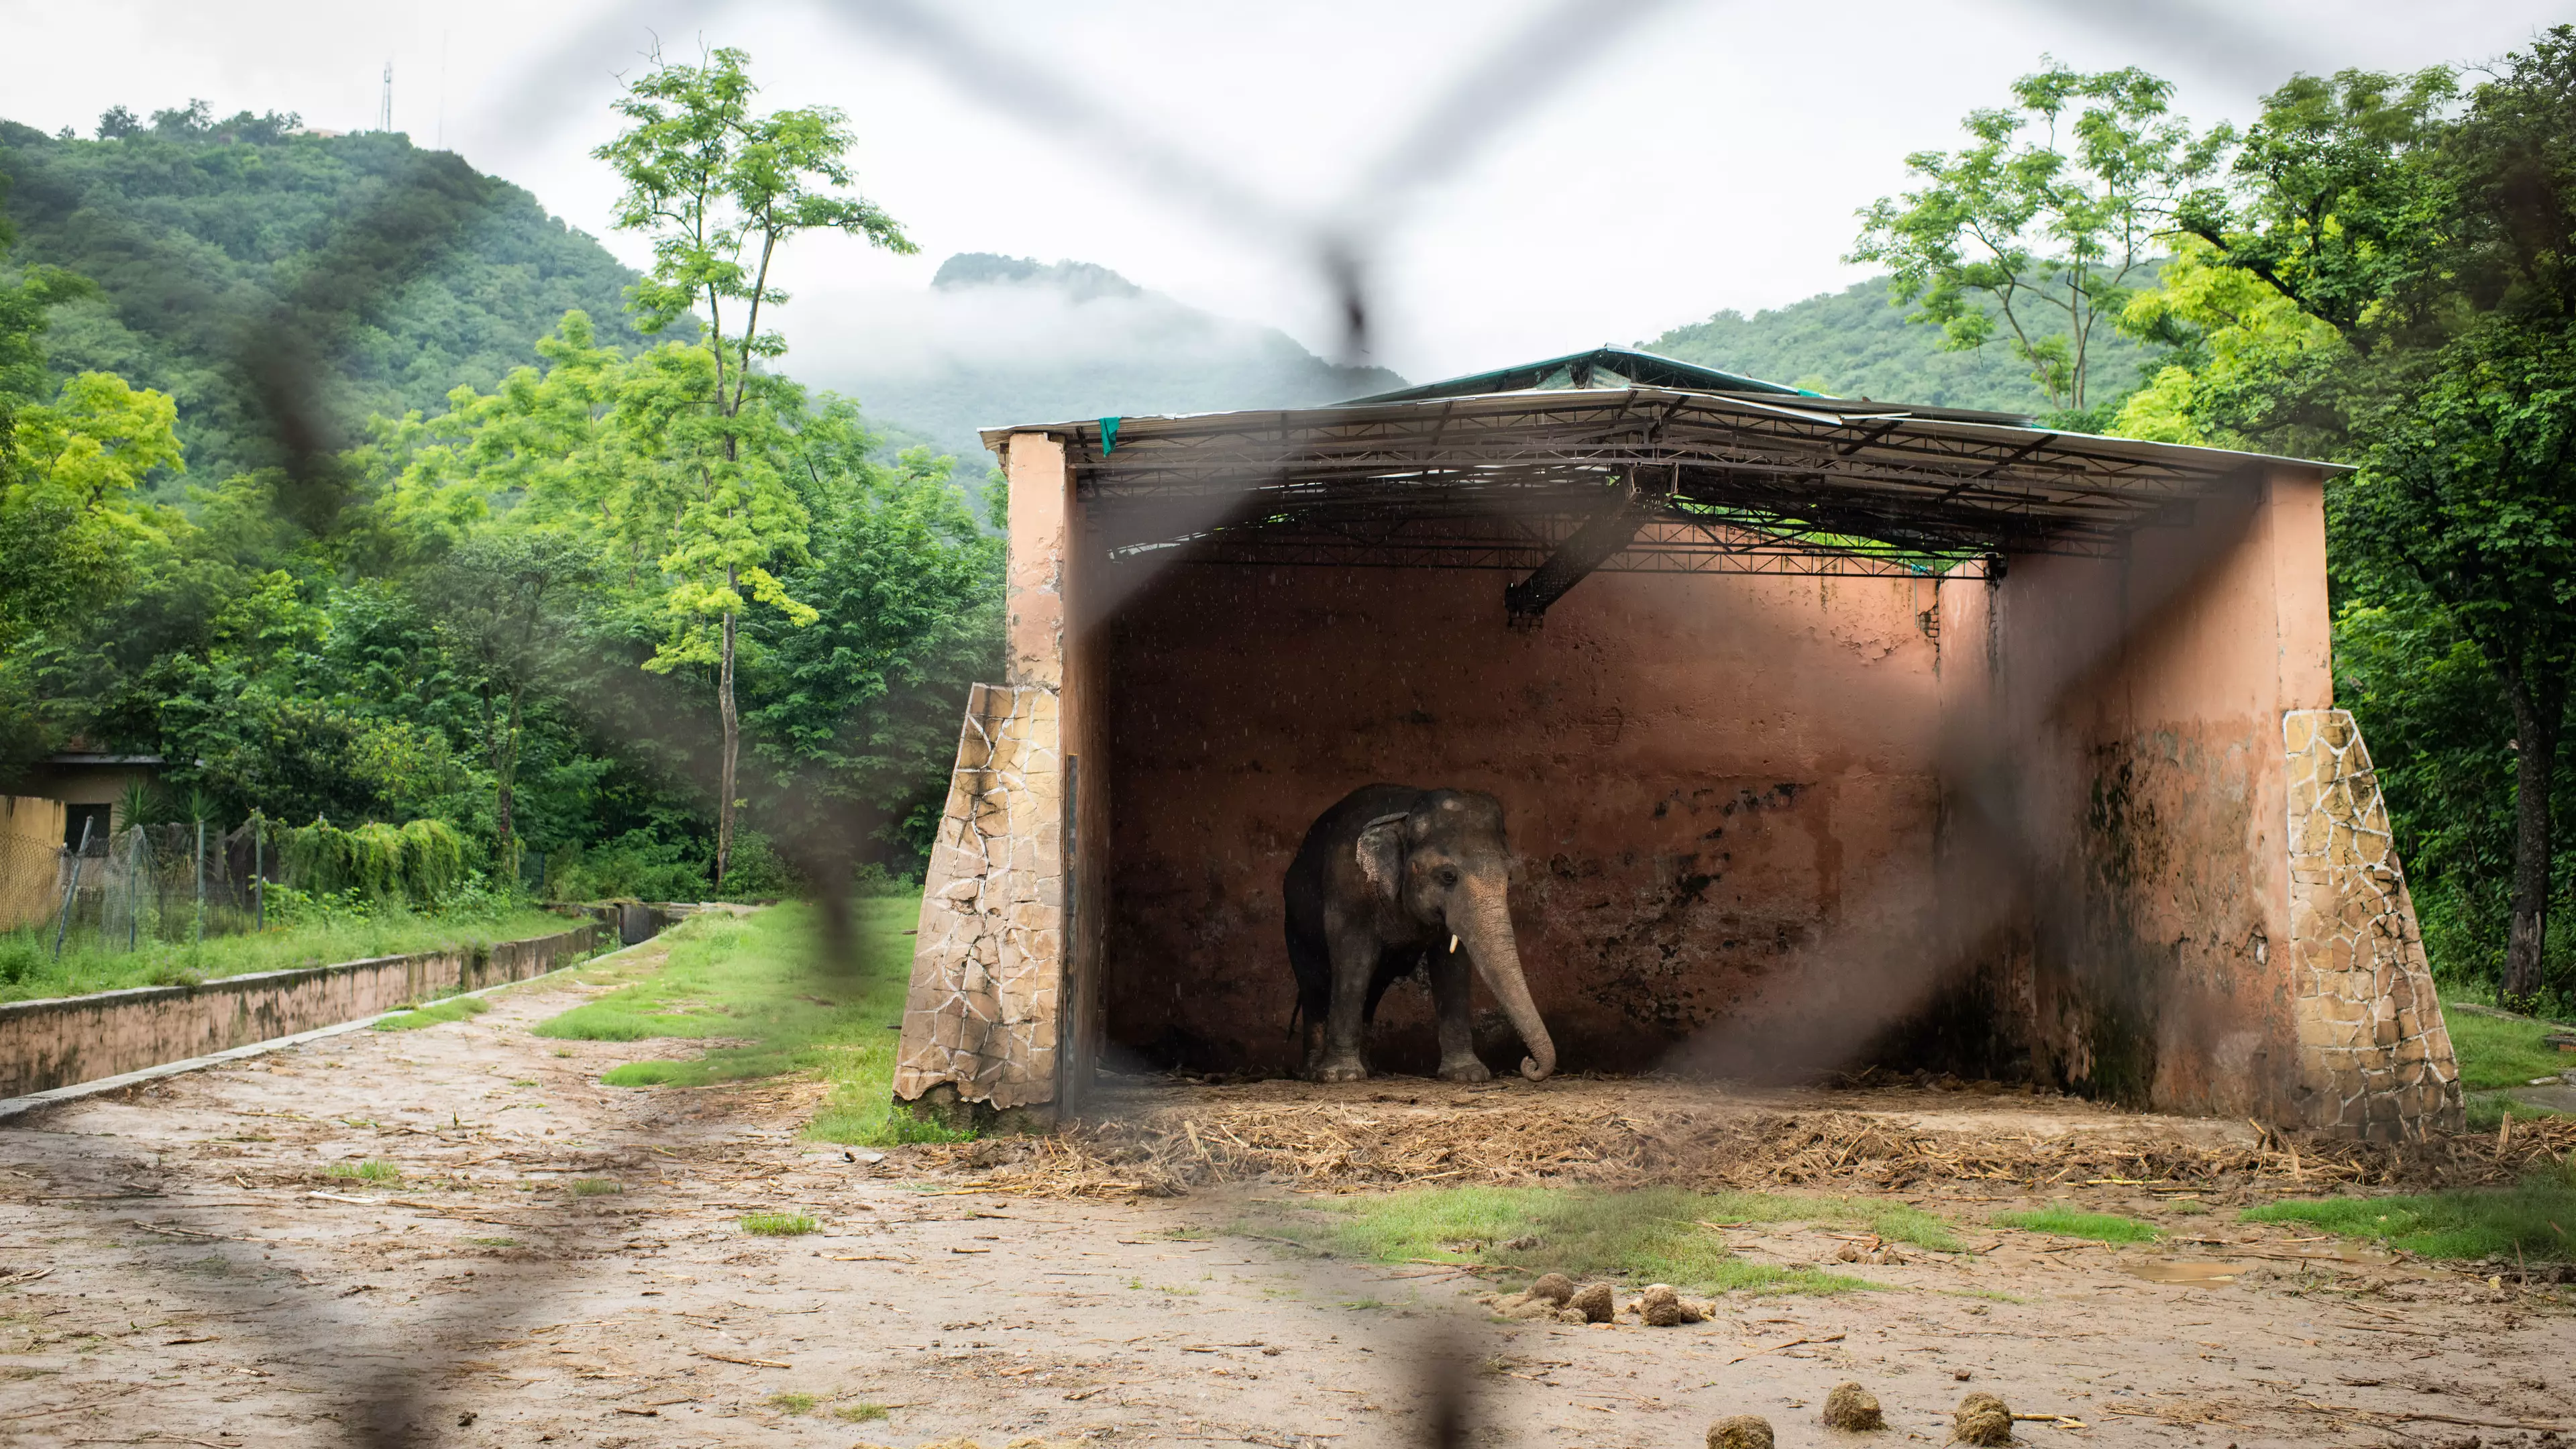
[385, 108]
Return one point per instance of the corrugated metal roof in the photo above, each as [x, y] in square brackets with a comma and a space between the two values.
[1514, 470]
[1606, 366]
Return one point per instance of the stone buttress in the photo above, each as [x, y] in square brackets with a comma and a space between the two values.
[2372, 1041]
[981, 1022]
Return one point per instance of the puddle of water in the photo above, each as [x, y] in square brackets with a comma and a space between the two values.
[2335, 1253]
[2189, 1271]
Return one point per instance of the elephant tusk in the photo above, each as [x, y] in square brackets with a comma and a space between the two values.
[1453, 943]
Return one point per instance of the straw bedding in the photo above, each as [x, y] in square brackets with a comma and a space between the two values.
[1629, 1134]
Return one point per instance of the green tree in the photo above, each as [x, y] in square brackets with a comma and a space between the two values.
[721, 190]
[2050, 216]
[2469, 487]
[502, 599]
[908, 584]
[71, 460]
[69, 470]
[2433, 238]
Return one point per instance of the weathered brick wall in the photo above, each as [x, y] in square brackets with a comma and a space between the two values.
[982, 1014]
[2374, 1046]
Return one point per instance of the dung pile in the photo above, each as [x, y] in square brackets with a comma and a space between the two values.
[1660, 1307]
[1853, 1409]
[1743, 1431]
[1555, 1297]
[1596, 1302]
[1981, 1419]
[1546, 1298]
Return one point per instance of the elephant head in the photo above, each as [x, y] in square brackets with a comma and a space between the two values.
[1444, 863]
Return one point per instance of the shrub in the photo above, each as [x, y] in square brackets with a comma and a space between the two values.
[635, 866]
[21, 956]
[872, 881]
[418, 863]
[758, 871]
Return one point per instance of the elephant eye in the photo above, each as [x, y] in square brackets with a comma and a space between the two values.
[1448, 877]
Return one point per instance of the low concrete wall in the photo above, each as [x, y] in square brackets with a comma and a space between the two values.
[70, 1039]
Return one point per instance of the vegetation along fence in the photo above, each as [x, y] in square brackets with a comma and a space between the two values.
[185, 882]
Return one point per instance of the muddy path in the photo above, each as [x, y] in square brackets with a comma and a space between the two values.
[183, 1267]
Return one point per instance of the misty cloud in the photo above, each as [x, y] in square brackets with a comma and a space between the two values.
[998, 340]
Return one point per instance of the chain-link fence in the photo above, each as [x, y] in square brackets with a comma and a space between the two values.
[157, 883]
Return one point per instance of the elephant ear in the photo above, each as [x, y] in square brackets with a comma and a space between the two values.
[1381, 853]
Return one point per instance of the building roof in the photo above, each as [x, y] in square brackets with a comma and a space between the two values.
[1606, 366]
[1503, 468]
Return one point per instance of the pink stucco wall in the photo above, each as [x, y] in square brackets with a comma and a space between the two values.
[1701, 774]
[2119, 733]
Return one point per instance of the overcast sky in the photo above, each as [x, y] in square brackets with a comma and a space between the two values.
[1708, 155]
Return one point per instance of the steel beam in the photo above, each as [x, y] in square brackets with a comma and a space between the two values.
[1592, 545]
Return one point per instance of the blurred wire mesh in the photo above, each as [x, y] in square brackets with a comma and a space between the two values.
[167, 883]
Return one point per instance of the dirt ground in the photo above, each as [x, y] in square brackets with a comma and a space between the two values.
[180, 1269]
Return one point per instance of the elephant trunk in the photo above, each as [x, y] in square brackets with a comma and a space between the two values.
[1487, 933]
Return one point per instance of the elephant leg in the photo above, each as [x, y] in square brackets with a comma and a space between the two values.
[1449, 997]
[1355, 954]
[1312, 963]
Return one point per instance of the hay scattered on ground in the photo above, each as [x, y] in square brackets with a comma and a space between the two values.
[1609, 1137]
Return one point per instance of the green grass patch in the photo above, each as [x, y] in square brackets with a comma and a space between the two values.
[793, 1403]
[594, 1186]
[779, 1225]
[2533, 1220]
[1652, 1235]
[862, 1413]
[2504, 1052]
[2066, 1222]
[762, 983]
[2486, 1111]
[455, 1008]
[28, 968]
[381, 1174]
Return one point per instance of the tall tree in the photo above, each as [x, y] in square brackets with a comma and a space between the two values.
[71, 459]
[2435, 240]
[2051, 212]
[501, 601]
[721, 190]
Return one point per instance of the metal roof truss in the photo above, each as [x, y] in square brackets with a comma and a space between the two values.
[1721, 483]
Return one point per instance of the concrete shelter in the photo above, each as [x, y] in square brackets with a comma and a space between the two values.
[1834, 735]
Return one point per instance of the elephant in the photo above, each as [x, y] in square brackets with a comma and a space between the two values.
[1388, 877]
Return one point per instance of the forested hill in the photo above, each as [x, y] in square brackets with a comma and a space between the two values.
[1857, 343]
[215, 244]
[1000, 339]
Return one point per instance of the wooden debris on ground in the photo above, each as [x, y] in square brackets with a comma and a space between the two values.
[1339, 1143]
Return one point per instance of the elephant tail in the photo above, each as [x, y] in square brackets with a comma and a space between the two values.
[1296, 1017]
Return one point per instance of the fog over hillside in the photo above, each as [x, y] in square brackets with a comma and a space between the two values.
[1000, 339]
